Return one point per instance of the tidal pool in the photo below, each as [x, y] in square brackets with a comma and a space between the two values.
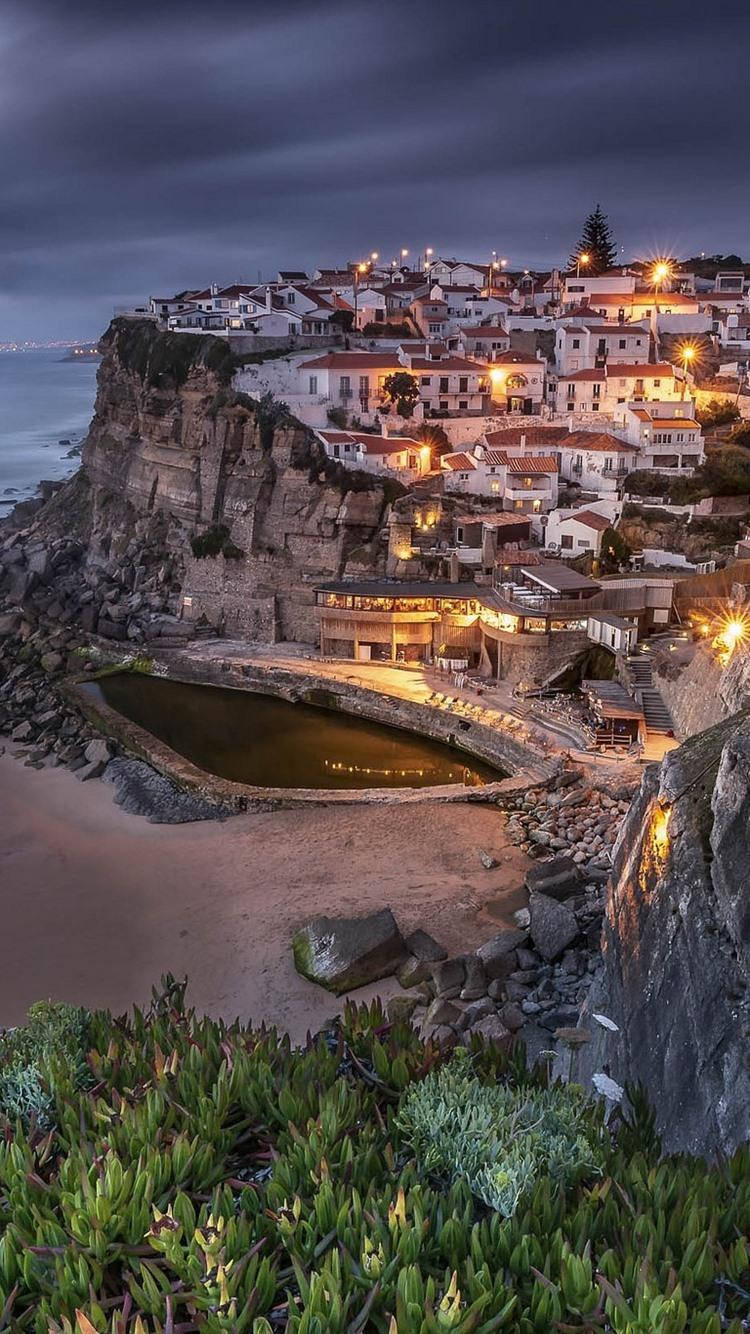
[268, 742]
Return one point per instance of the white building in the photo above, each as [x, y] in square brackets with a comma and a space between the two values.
[484, 341]
[596, 460]
[667, 436]
[525, 485]
[448, 385]
[518, 382]
[603, 389]
[581, 346]
[612, 632]
[400, 455]
[459, 273]
[575, 532]
[733, 330]
[578, 289]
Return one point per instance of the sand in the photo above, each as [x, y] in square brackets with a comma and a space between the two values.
[97, 904]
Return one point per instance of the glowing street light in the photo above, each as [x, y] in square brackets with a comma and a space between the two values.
[583, 259]
[374, 256]
[660, 272]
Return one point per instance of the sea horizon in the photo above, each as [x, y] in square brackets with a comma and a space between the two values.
[46, 405]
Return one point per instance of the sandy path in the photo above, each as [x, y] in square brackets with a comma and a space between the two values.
[96, 904]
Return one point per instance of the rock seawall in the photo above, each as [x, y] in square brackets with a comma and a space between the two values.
[676, 945]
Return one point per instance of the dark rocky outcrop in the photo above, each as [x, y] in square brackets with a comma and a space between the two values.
[676, 945]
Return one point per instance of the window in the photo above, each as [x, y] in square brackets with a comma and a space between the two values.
[622, 343]
[608, 463]
[576, 342]
[364, 386]
[346, 386]
[443, 406]
[463, 403]
[571, 407]
[594, 407]
[443, 384]
[290, 298]
[426, 379]
[463, 384]
[657, 384]
[337, 451]
[566, 542]
[313, 384]
[597, 391]
[571, 391]
[584, 542]
[495, 488]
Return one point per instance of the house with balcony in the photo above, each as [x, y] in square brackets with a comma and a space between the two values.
[667, 436]
[525, 485]
[353, 381]
[485, 342]
[401, 456]
[596, 460]
[604, 388]
[449, 385]
[518, 382]
[581, 346]
[430, 315]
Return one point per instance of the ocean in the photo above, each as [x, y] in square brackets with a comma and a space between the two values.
[43, 400]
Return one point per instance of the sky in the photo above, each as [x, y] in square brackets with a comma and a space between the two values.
[149, 147]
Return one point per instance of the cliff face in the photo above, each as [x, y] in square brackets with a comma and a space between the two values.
[676, 944]
[172, 447]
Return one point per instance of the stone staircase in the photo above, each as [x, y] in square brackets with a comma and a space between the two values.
[655, 711]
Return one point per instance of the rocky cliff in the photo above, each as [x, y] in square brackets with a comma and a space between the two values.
[174, 452]
[676, 944]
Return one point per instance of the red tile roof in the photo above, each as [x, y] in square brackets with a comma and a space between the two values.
[447, 364]
[599, 442]
[590, 519]
[458, 462]
[533, 463]
[344, 361]
[533, 435]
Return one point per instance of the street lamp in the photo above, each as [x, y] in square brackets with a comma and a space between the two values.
[659, 273]
[359, 270]
[583, 259]
[374, 256]
[687, 354]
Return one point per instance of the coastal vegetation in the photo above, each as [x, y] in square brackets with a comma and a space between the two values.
[166, 1172]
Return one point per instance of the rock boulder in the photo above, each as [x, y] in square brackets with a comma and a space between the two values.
[342, 953]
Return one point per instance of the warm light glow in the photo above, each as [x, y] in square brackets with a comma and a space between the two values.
[362, 268]
[374, 255]
[687, 353]
[503, 263]
[584, 258]
[496, 376]
[495, 264]
[429, 250]
[733, 631]
[660, 829]
[660, 272]
[404, 253]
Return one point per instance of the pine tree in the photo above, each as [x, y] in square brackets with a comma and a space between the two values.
[596, 242]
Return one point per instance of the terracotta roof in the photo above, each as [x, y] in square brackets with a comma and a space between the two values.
[495, 519]
[371, 442]
[447, 364]
[646, 371]
[590, 519]
[345, 361]
[458, 462]
[683, 423]
[484, 331]
[583, 375]
[598, 442]
[533, 435]
[515, 358]
[532, 464]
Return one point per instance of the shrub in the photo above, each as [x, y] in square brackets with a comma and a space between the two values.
[337, 417]
[499, 1139]
[35, 1058]
[211, 1177]
[215, 541]
[717, 412]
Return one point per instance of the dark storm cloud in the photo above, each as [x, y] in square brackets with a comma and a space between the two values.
[152, 146]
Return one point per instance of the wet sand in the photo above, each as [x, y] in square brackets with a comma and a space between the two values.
[97, 904]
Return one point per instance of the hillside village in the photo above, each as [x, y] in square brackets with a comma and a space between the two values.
[568, 444]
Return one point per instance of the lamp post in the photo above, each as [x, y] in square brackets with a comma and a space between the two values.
[583, 259]
[359, 269]
[687, 355]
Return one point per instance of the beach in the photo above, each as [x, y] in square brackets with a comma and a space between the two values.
[97, 904]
